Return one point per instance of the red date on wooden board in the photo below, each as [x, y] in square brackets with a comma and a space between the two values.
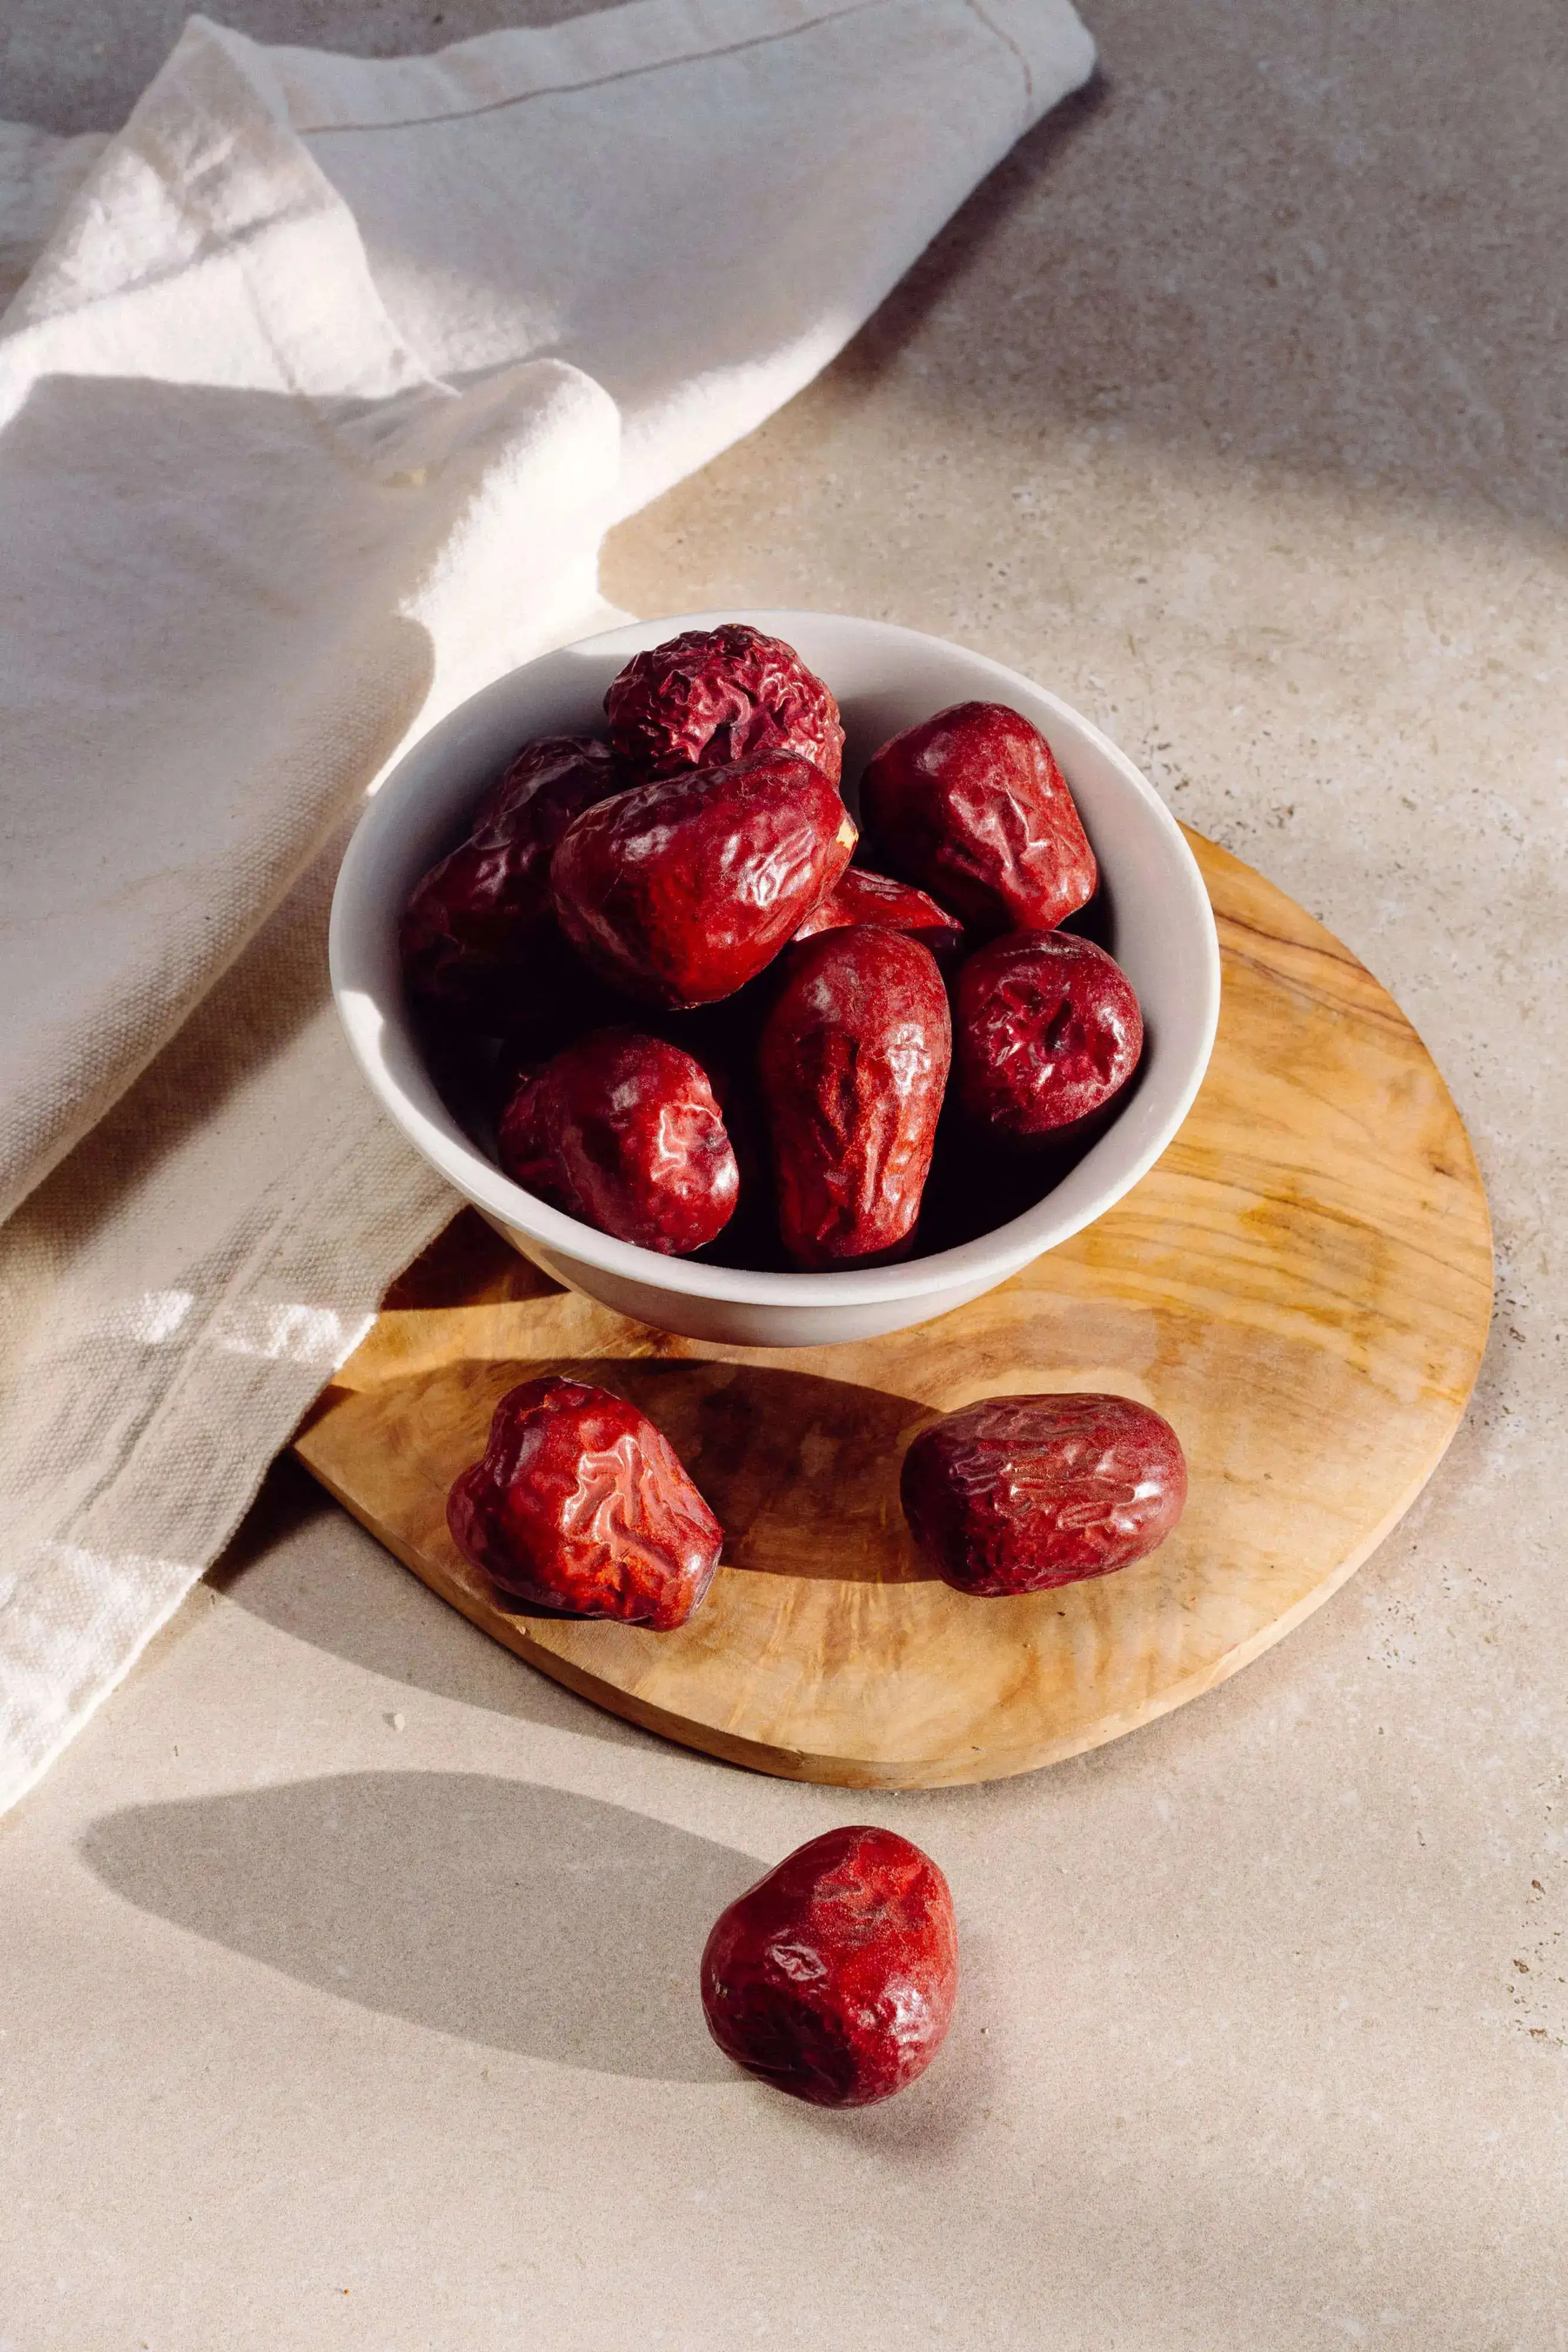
[623, 1130]
[681, 891]
[579, 1503]
[862, 896]
[1018, 1494]
[714, 695]
[1046, 1029]
[972, 806]
[852, 1063]
[834, 1976]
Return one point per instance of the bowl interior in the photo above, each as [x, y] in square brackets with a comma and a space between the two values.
[1155, 919]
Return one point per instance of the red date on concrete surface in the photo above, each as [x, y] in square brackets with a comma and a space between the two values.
[853, 1060]
[834, 1976]
[1046, 1030]
[623, 1130]
[480, 927]
[714, 695]
[683, 890]
[972, 806]
[579, 1503]
[862, 896]
[1019, 1493]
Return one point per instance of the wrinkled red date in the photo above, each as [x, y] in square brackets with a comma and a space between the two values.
[623, 1130]
[550, 781]
[714, 695]
[862, 896]
[579, 1503]
[480, 926]
[971, 806]
[853, 1062]
[682, 890]
[1046, 1029]
[834, 1976]
[1018, 1494]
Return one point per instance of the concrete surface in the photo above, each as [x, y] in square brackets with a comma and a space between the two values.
[1233, 408]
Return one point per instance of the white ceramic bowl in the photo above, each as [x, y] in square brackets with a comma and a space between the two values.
[1160, 929]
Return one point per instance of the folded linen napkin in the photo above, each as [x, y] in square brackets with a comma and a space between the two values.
[313, 411]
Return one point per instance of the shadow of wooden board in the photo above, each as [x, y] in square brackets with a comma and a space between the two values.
[1302, 1286]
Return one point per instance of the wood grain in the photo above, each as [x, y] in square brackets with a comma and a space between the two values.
[1302, 1286]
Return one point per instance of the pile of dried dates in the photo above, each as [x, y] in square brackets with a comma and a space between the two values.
[655, 975]
[661, 982]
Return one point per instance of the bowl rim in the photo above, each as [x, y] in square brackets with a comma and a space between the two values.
[989, 1258]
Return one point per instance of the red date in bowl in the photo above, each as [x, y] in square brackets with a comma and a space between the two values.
[579, 1503]
[623, 1130]
[479, 934]
[682, 890]
[835, 1977]
[853, 1062]
[1018, 1494]
[714, 695]
[971, 806]
[1046, 1031]
[859, 896]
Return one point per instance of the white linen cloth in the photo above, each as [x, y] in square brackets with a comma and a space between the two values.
[313, 410]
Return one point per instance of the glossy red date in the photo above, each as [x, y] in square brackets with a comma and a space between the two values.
[1046, 1030]
[972, 806]
[852, 1064]
[479, 930]
[862, 896]
[624, 1131]
[835, 1977]
[1018, 1494]
[682, 890]
[716, 696]
[550, 781]
[579, 1503]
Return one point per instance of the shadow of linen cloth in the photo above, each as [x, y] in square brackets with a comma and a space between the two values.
[313, 410]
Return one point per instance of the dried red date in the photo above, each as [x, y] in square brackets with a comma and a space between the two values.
[834, 1976]
[479, 929]
[579, 1503]
[1018, 1494]
[714, 695]
[861, 897]
[681, 891]
[550, 781]
[853, 1060]
[623, 1130]
[1046, 1030]
[971, 806]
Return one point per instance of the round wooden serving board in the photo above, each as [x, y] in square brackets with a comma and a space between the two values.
[1302, 1286]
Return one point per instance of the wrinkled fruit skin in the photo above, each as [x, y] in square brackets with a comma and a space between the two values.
[579, 1503]
[479, 929]
[834, 1976]
[1046, 1029]
[862, 896]
[714, 695]
[683, 890]
[852, 1064]
[624, 1131]
[1019, 1493]
[972, 806]
[550, 781]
